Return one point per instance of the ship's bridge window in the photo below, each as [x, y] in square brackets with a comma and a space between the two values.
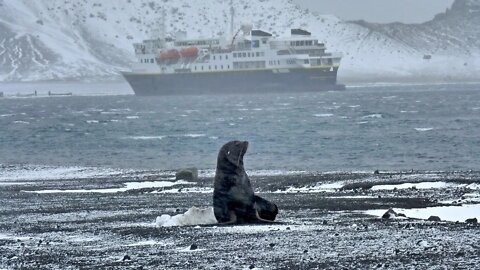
[214, 57]
[220, 57]
[309, 43]
[297, 43]
[221, 67]
[151, 61]
[244, 54]
[306, 61]
[258, 54]
[226, 56]
[234, 55]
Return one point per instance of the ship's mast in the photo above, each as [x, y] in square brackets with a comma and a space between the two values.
[160, 31]
[232, 17]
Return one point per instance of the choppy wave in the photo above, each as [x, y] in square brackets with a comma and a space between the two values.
[161, 137]
[375, 115]
[424, 129]
[324, 115]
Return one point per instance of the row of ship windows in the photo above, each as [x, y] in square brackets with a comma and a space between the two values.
[303, 43]
[237, 65]
[220, 57]
[248, 54]
[146, 61]
[221, 67]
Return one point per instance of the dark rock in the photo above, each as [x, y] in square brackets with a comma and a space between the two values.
[460, 254]
[389, 214]
[189, 174]
[193, 247]
[271, 245]
[471, 221]
[251, 266]
[265, 209]
[434, 218]
[325, 222]
[376, 172]
[401, 215]
[288, 229]
[126, 258]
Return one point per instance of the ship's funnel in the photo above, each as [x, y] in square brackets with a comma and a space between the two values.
[247, 29]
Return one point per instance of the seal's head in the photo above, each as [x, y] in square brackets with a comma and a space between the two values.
[233, 152]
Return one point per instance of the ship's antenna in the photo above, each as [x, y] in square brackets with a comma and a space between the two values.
[232, 18]
[159, 32]
[163, 25]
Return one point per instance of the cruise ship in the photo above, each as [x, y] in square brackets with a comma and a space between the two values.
[252, 61]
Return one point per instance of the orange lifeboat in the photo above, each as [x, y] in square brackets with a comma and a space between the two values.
[169, 54]
[189, 52]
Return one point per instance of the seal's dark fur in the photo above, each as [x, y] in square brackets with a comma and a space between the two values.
[233, 198]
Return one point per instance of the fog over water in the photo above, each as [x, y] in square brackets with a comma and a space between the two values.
[381, 11]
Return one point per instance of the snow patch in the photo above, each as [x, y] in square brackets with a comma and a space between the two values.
[194, 216]
[446, 213]
[422, 185]
[128, 186]
[330, 187]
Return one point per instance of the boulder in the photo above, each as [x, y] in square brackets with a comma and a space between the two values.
[471, 221]
[189, 174]
[389, 214]
[434, 218]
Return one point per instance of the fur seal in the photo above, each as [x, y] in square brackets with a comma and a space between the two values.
[233, 198]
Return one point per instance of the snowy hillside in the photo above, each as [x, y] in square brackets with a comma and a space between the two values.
[73, 39]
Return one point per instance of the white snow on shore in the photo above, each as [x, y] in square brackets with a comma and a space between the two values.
[194, 216]
[55, 173]
[186, 190]
[446, 213]
[422, 185]
[329, 187]
[128, 186]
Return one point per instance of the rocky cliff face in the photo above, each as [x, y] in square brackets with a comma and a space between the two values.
[66, 39]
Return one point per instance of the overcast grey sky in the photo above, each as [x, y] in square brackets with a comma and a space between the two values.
[382, 11]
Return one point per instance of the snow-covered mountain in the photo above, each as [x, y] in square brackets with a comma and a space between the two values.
[73, 39]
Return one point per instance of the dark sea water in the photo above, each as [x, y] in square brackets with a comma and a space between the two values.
[421, 127]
